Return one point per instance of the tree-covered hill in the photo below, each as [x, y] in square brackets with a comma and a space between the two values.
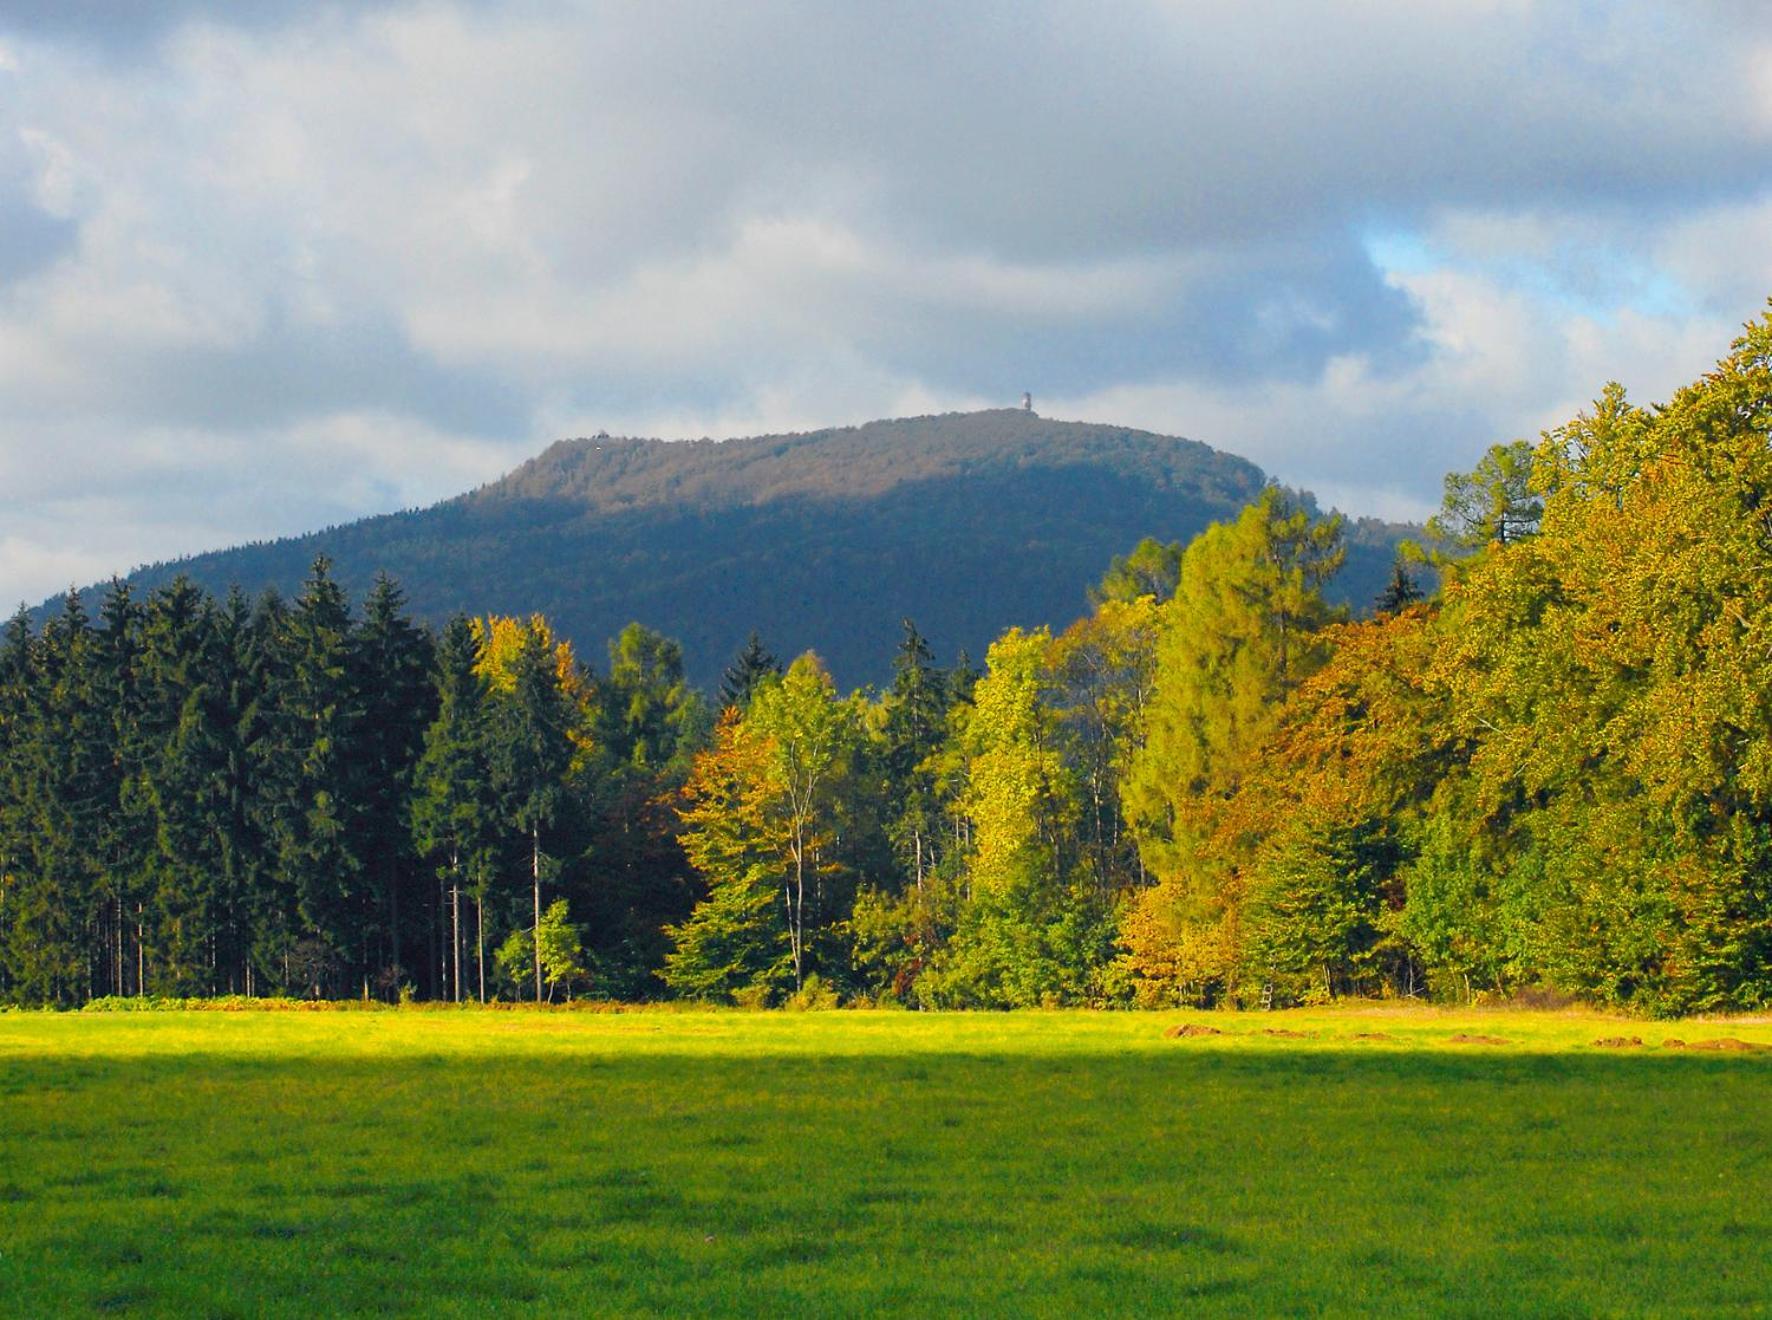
[967, 523]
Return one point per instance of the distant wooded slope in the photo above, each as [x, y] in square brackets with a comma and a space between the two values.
[966, 523]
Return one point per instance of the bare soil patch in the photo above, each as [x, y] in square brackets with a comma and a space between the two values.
[1620, 1042]
[1463, 1038]
[1188, 1029]
[1729, 1044]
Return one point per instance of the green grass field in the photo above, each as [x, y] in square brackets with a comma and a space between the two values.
[855, 1163]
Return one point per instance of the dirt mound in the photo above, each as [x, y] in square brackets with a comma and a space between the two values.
[1728, 1043]
[1463, 1039]
[1187, 1029]
[1290, 1035]
[1373, 1035]
[1620, 1042]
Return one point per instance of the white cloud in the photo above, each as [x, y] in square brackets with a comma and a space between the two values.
[273, 265]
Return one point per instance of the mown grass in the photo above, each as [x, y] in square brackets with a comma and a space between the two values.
[862, 1163]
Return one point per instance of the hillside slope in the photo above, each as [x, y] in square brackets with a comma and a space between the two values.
[966, 523]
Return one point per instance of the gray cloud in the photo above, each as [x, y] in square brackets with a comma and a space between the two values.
[368, 254]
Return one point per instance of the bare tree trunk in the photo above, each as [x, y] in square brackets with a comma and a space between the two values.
[455, 929]
[480, 942]
[442, 982]
[394, 914]
[799, 931]
[535, 871]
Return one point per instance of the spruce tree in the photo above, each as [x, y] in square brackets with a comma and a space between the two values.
[127, 844]
[316, 807]
[753, 665]
[454, 816]
[1400, 592]
[916, 721]
[183, 783]
[65, 762]
[397, 699]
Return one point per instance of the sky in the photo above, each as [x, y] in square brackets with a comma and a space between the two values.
[269, 265]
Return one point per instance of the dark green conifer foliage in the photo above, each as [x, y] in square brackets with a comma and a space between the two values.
[243, 863]
[183, 782]
[315, 815]
[754, 663]
[1400, 592]
[454, 814]
[393, 661]
[635, 881]
[65, 764]
[916, 722]
[126, 846]
[262, 658]
[18, 673]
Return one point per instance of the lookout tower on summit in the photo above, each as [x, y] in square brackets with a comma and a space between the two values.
[1027, 402]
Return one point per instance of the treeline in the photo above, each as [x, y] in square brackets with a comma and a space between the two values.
[205, 797]
[1214, 788]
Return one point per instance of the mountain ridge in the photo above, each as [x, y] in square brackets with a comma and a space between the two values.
[964, 522]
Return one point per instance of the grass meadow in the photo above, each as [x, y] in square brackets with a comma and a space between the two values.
[702, 1163]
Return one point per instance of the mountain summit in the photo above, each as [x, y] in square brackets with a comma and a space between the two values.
[965, 522]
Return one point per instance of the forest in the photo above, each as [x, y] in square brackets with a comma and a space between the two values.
[966, 522]
[1553, 772]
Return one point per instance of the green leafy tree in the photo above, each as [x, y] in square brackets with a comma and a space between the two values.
[1152, 568]
[812, 738]
[532, 724]
[1493, 503]
[560, 946]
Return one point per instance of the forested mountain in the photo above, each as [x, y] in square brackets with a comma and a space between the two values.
[967, 523]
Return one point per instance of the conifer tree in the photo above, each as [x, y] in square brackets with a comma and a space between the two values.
[1400, 592]
[916, 720]
[454, 815]
[184, 783]
[126, 848]
[753, 664]
[393, 678]
[316, 801]
[65, 762]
